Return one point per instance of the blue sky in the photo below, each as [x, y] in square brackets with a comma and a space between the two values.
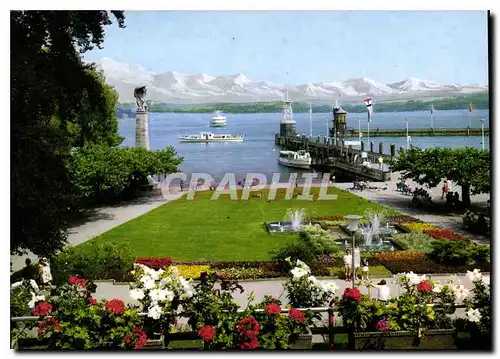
[292, 48]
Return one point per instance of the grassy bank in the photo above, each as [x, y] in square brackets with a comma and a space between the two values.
[224, 229]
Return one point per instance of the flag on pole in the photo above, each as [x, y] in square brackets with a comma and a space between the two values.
[470, 107]
[432, 109]
[369, 108]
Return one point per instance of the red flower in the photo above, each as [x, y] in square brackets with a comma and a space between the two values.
[75, 280]
[382, 325]
[140, 336]
[253, 343]
[248, 324]
[154, 263]
[206, 332]
[126, 339]
[41, 328]
[352, 294]
[116, 306]
[296, 314]
[42, 308]
[92, 300]
[424, 286]
[273, 308]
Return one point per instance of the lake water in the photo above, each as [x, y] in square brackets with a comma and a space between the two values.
[258, 152]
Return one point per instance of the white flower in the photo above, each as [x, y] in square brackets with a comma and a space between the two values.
[460, 293]
[168, 295]
[313, 280]
[154, 311]
[164, 282]
[486, 280]
[136, 294]
[414, 278]
[298, 273]
[34, 299]
[187, 294]
[473, 315]
[148, 282]
[157, 294]
[330, 287]
[302, 265]
[474, 276]
[453, 279]
[437, 288]
[155, 274]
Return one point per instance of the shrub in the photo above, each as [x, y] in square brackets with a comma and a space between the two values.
[406, 261]
[331, 224]
[420, 242]
[460, 252]
[417, 227]
[319, 239]
[296, 250]
[154, 263]
[192, 270]
[93, 260]
[446, 234]
[477, 222]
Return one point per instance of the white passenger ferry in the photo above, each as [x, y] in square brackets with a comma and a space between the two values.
[211, 137]
[218, 120]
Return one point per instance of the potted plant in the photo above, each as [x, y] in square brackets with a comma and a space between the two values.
[477, 322]
[306, 291]
[411, 321]
[72, 319]
[160, 294]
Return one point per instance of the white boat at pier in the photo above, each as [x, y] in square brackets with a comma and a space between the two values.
[211, 137]
[298, 159]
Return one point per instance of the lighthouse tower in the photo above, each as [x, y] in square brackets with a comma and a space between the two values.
[339, 122]
[287, 124]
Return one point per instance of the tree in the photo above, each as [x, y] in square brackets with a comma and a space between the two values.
[52, 92]
[467, 166]
[101, 173]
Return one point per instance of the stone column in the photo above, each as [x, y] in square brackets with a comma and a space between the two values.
[141, 130]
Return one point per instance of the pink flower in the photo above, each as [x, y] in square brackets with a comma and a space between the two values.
[382, 325]
[296, 314]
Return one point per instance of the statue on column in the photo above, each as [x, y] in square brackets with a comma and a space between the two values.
[140, 98]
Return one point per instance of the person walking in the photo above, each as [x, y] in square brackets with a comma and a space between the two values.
[347, 265]
[357, 262]
[446, 189]
[364, 270]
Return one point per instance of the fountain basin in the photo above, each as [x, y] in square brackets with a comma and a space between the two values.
[287, 226]
[385, 246]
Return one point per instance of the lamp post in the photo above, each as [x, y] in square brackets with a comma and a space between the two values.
[407, 138]
[482, 133]
[353, 224]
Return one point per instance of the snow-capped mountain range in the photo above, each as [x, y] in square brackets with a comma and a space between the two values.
[174, 87]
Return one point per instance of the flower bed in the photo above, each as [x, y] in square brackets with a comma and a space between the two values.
[417, 227]
[402, 218]
[446, 234]
[420, 262]
[155, 263]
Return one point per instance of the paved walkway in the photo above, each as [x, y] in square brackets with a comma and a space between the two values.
[103, 219]
[108, 290]
[388, 196]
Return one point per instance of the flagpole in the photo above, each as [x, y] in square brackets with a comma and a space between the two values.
[470, 112]
[310, 121]
[432, 117]
[368, 144]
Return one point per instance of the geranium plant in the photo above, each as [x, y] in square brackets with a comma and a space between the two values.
[72, 319]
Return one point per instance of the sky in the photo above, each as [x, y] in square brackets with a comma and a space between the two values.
[297, 47]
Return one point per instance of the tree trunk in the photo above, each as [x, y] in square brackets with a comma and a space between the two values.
[466, 195]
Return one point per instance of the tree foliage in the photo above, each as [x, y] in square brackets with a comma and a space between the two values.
[101, 173]
[468, 167]
[56, 100]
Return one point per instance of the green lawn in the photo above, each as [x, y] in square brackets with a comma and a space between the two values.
[224, 229]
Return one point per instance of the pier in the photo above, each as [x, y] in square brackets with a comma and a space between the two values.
[334, 157]
[422, 132]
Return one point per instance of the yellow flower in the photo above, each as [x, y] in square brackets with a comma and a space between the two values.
[418, 227]
[192, 270]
